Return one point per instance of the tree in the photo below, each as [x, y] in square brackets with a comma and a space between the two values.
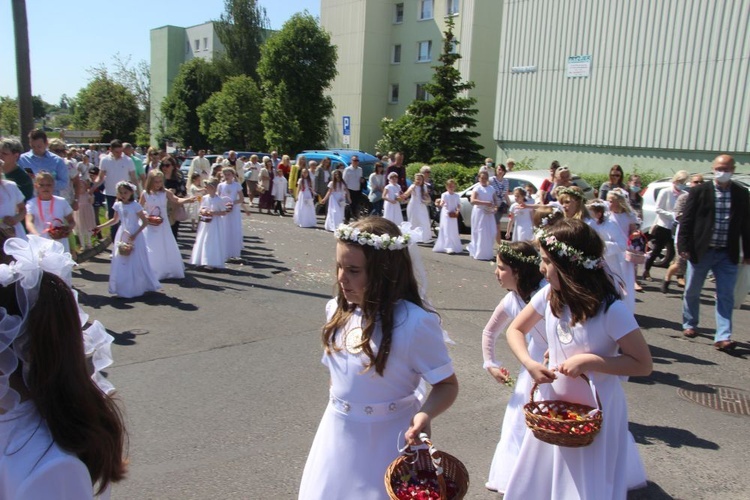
[39, 107]
[231, 117]
[297, 65]
[194, 84]
[442, 123]
[136, 78]
[9, 122]
[109, 107]
[241, 30]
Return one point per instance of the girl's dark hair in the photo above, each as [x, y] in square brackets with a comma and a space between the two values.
[582, 290]
[528, 276]
[552, 214]
[81, 419]
[390, 278]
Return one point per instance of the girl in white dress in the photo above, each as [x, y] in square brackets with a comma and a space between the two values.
[416, 211]
[209, 250]
[12, 210]
[623, 214]
[337, 198]
[448, 240]
[483, 226]
[232, 221]
[60, 435]
[573, 202]
[195, 191]
[521, 226]
[304, 209]
[131, 275]
[279, 191]
[589, 330]
[47, 211]
[379, 340]
[392, 200]
[518, 272]
[163, 253]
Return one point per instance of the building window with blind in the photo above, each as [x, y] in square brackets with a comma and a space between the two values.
[425, 9]
[393, 95]
[452, 7]
[197, 45]
[396, 57]
[398, 13]
[422, 94]
[424, 51]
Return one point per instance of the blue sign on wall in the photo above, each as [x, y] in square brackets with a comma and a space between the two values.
[347, 125]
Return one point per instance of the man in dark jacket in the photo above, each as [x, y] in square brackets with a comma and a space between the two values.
[716, 217]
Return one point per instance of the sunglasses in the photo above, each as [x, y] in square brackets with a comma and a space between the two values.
[167, 164]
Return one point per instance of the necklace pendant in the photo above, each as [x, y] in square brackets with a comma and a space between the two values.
[564, 333]
[352, 340]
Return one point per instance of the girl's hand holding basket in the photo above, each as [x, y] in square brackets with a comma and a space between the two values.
[154, 218]
[57, 229]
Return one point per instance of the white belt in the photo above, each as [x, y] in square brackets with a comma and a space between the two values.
[371, 409]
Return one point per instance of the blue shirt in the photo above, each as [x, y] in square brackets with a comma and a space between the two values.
[48, 162]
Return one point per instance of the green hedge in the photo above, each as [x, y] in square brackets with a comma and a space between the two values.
[597, 179]
[441, 172]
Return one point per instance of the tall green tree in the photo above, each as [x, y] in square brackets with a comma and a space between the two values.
[109, 107]
[38, 106]
[297, 65]
[135, 77]
[230, 118]
[445, 121]
[241, 29]
[9, 122]
[194, 84]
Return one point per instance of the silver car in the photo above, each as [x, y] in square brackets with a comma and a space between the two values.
[515, 179]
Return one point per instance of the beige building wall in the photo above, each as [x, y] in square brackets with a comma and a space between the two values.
[366, 32]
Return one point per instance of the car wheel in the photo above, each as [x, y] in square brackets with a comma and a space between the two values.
[462, 228]
[665, 257]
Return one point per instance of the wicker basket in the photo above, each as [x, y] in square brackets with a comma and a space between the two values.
[124, 248]
[545, 420]
[205, 218]
[155, 218]
[427, 461]
[58, 230]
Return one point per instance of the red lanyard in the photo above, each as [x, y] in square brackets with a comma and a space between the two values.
[51, 209]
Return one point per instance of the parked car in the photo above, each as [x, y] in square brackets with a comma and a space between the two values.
[515, 179]
[185, 166]
[247, 155]
[649, 208]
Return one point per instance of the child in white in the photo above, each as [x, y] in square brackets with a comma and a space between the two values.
[12, 209]
[85, 217]
[416, 211]
[448, 240]
[163, 253]
[483, 226]
[337, 197]
[47, 211]
[195, 191]
[209, 250]
[304, 209]
[131, 275]
[279, 191]
[521, 226]
[232, 190]
[392, 199]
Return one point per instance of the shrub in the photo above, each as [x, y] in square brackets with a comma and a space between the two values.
[441, 172]
[597, 179]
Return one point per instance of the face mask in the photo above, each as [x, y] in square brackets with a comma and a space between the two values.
[722, 177]
[680, 187]
[635, 189]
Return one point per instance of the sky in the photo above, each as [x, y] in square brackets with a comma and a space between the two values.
[68, 38]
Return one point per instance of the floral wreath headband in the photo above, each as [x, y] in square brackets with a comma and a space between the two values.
[570, 192]
[506, 251]
[546, 220]
[128, 184]
[598, 204]
[550, 243]
[378, 241]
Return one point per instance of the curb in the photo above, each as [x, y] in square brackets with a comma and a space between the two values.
[92, 252]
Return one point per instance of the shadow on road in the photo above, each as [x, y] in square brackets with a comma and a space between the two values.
[671, 436]
[649, 322]
[672, 379]
[663, 356]
[652, 491]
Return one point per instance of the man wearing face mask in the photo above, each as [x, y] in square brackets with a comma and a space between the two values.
[716, 217]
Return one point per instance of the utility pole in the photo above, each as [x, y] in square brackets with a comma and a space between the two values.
[23, 70]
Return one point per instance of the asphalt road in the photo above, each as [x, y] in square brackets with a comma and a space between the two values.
[222, 386]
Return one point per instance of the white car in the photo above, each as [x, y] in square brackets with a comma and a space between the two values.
[515, 179]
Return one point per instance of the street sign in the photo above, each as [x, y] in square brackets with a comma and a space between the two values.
[347, 140]
[347, 125]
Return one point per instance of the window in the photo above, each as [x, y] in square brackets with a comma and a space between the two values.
[425, 9]
[425, 49]
[197, 45]
[393, 97]
[187, 47]
[205, 44]
[452, 7]
[398, 14]
[454, 47]
[396, 59]
[422, 94]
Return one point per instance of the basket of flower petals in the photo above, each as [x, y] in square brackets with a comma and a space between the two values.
[155, 218]
[424, 473]
[205, 217]
[57, 229]
[228, 203]
[562, 423]
[124, 248]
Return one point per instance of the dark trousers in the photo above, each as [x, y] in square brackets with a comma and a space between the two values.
[354, 207]
[111, 213]
[661, 237]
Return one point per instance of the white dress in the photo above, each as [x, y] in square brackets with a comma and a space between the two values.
[615, 244]
[336, 204]
[610, 465]
[514, 420]
[33, 466]
[418, 214]
[392, 211]
[483, 226]
[49, 213]
[358, 436]
[193, 207]
[209, 248]
[523, 224]
[233, 220]
[163, 253]
[448, 239]
[131, 275]
[304, 209]
[10, 198]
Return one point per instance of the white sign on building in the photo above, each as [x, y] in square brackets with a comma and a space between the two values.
[579, 66]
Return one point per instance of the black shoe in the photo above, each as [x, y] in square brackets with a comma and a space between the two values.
[665, 287]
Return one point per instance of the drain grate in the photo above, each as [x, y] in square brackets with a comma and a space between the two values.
[718, 397]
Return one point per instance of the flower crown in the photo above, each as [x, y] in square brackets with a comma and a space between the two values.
[550, 243]
[127, 184]
[546, 220]
[378, 241]
[598, 204]
[576, 192]
[506, 251]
